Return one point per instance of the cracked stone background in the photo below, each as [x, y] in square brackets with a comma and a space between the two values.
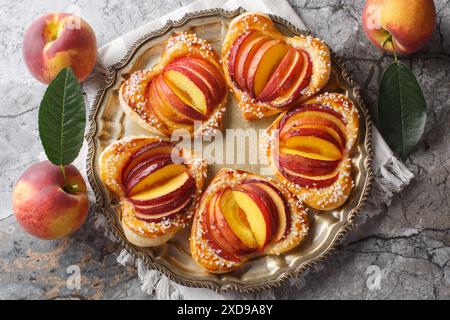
[409, 241]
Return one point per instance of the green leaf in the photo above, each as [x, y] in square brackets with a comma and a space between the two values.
[401, 109]
[62, 118]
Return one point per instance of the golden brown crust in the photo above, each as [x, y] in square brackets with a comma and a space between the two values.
[317, 50]
[207, 257]
[138, 232]
[133, 92]
[335, 195]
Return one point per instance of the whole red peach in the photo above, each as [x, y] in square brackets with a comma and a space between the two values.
[42, 206]
[56, 41]
[409, 22]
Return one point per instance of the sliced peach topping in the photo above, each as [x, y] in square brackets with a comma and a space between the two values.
[156, 177]
[167, 114]
[284, 76]
[255, 218]
[186, 90]
[170, 185]
[236, 220]
[281, 210]
[306, 154]
[294, 92]
[326, 129]
[245, 56]
[272, 53]
[306, 117]
[145, 154]
[311, 181]
[315, 145]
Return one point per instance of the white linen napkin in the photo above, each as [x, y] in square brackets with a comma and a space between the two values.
[391, 175]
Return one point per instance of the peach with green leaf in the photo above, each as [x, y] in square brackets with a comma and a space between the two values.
[50, 199]
[42, 204]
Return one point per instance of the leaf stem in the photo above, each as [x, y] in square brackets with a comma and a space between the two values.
[63, 171]
[395, 52]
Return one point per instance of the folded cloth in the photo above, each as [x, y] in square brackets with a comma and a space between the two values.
[390, 175]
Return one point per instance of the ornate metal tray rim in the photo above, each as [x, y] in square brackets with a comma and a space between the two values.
[148, 261]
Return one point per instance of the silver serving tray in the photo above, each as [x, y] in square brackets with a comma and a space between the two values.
[109, 124]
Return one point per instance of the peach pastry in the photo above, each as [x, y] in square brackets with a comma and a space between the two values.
[241, 216]
[158, 186]
[186, 90]
[269, 72]
[310, 147]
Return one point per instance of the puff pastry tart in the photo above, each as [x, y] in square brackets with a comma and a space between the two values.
[157, 183]
[186, 90]
[269, 72]
[310, 148]
[241, 216]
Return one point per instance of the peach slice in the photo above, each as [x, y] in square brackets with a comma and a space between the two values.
[200, 76]
[282, 211]
[157, 158]
[284, 216]
[309, 181]
[259, 220]
[265, 204]
[172, 101]
[245, 57]
[224, 203]
[337, 135]
[213, 235]
[232, 60]
[305, 132]
[163, 210]
[312, 114]
[312, 144]
[147, 152]
[173, 188]
[322, 108]
[295, 91]
[307, 166]
[263, 63]
[153, 174]
[155, 218]
[306, 154]
[236, 220]
[300, 121]
[165, 113]
[215, 77]
[284, 76]
[187, 90]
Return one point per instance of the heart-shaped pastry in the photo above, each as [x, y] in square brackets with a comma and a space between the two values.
[310, 147]
[185, 91]
[242, 215]
[269, 72]
[157, 183]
